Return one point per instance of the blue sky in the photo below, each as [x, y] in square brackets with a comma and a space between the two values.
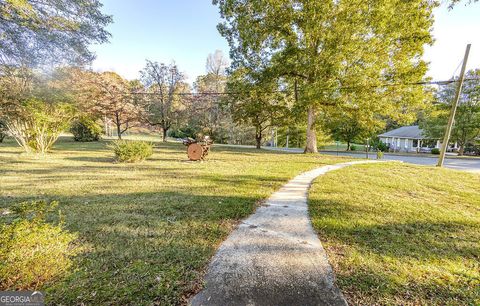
[185, 31]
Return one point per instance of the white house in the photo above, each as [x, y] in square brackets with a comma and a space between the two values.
[409, 139]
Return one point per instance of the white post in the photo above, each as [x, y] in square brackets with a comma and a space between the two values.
[105, 123]
[276, 137]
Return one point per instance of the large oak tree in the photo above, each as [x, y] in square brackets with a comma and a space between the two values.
[326, 47]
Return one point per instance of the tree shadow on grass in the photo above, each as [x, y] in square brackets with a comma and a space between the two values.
[440, 250]
[420, 239]
[374, 287]
[92, 159]
[245, 178]
[142, 247]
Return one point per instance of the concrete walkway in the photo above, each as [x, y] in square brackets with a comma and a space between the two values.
[274, 257]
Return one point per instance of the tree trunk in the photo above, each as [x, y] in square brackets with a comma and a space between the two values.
[348, 145]
[119, 131]
[461, 150]
[258, 139]
[119, 126]
[311, 134]
[164, 134]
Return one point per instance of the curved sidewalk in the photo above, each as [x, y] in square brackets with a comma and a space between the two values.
[274, 257]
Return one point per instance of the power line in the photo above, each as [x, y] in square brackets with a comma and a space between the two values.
[459, 64]
[211, 93]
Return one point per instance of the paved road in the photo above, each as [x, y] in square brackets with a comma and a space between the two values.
[465, 164]
[470, 164]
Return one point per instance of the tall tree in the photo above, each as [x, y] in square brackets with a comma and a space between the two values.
[165, 103]
[466, 127]
[217, 64]
[326, 46]
[50, 31]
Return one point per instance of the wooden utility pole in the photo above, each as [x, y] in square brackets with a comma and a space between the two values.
[451, 119]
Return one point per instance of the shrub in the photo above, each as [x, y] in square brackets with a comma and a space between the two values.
[435, 151]
[183, 133]
[132, 151]
[353, 147]
[85, 129]
[33, 252]
[38, 124]
[377, 144]
[379, 155]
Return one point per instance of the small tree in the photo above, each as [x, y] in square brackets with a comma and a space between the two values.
[164, 103]
[467, 118]
[108, 95]
[38, 124]
[205, 107]
[256, 102]
[34, 110]
[352, 125]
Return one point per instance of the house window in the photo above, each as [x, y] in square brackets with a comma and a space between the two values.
[415, 143]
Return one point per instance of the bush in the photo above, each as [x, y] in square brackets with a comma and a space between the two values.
[33, 252]
[85, 129]
[472, 150]
[435, 151]
[379, 145]
[132, 151]
[379, 155]
[183, 133]
[353, 147]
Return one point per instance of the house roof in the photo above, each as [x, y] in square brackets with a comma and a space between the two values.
[413, 132]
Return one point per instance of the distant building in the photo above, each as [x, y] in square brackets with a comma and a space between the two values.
[410, 139]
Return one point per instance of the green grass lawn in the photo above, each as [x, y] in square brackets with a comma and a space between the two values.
[148, 229]
[402, 234]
